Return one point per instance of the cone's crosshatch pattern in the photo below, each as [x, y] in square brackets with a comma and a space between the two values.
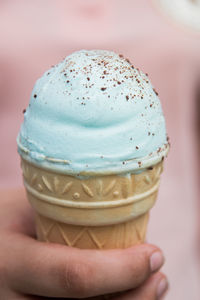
[99, 212]
[103, 237]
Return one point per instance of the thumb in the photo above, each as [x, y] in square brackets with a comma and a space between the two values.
[58, 271]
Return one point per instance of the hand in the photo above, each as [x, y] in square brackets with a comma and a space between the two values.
[30, 269]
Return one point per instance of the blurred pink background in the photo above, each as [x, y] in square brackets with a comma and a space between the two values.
[37, 34]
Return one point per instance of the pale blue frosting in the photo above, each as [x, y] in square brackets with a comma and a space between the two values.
[93, 112]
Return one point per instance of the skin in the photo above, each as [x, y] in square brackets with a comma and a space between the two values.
[31, 270]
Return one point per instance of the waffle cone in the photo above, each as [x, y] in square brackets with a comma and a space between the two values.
[99, 212]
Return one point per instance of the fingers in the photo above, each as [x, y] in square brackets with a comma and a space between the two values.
[153, 289]
[58, 271]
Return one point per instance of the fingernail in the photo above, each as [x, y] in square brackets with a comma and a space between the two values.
[162, 287]
[156, 261]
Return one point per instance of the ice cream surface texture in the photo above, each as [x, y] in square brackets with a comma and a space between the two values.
[94, 112]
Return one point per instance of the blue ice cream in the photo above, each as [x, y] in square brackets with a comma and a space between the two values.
[93, 113]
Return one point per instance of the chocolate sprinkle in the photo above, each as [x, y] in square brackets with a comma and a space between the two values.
[155, 92]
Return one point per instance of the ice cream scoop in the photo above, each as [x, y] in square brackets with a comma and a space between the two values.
[94, 113]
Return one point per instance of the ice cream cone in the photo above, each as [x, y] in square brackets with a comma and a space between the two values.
[96, 212]
[92, 146]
